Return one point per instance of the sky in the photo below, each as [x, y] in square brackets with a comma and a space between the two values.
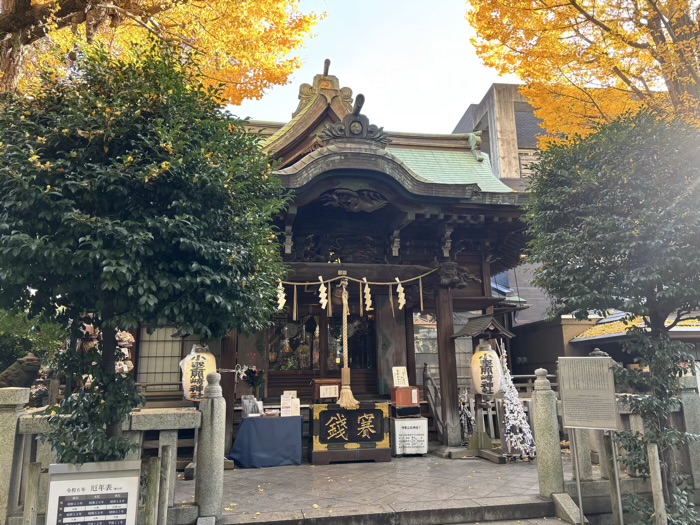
[410, 58]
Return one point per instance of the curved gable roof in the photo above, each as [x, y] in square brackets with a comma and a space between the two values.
[318, 139]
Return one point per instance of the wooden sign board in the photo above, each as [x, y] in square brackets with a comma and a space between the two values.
[587, 391]
[339, 434]
[105, 492]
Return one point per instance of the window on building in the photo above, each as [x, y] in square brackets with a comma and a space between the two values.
[159, 359]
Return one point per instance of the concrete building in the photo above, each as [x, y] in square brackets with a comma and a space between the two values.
[509, 131]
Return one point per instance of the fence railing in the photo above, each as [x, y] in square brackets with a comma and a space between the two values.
[493, 413]
[24, 499]
[594, 447]
[431, 394]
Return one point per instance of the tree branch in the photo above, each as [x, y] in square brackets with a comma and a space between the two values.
[683, 315]
[32, 22]
[593, 20]
[587, 95]
[622, 76]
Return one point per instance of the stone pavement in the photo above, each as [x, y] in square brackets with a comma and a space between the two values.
[404, 485]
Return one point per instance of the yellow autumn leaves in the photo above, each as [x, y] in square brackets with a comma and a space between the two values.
[589, 61]
[243, 44]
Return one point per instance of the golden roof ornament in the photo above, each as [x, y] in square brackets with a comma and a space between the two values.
[324, 85]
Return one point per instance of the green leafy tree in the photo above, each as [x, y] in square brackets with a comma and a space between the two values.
[20, 335]
[615, 224]
[128, 197]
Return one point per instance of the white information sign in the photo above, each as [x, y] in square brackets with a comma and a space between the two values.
[290, 393]
[328, 391]
[296, 406]
[94, 493]
[400, 375]
[286, 406]
[409, 436]
[587, 390]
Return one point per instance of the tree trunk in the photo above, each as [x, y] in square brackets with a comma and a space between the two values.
[109, 359]
[657, 328]
[11, 51]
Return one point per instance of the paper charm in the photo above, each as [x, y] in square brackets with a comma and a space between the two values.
[322, 293]
[401, 294]
[281, 296]
[368, 296]
[362, 303]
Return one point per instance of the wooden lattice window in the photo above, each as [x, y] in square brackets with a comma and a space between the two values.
[159, 359]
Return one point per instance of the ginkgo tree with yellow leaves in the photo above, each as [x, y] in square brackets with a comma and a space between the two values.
[585, 62]
[243, 44]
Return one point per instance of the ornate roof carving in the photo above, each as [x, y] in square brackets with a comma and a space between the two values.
[475, 145]
[324, 85]
[354, 201]
[355, 126]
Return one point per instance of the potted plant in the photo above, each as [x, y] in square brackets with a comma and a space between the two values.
[255, 379]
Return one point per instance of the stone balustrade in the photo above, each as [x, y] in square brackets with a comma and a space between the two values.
[21, 430]
[595, 448]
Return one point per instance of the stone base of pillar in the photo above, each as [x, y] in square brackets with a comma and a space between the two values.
[566, 509]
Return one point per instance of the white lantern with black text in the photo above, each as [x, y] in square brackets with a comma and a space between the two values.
[486, 370]
[196, 366]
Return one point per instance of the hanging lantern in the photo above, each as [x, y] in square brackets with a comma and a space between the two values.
[196, 366]
[486, 370]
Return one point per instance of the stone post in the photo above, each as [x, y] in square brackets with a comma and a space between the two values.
[209, 481]
[657, 491]
[690, 401]
[583, 444]
[11, 402]
[597, 439]
[550, 470]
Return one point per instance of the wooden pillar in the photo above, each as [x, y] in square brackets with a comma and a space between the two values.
[391, 344]
[229, 359]
[486, 276]
[410, 347]
[448, 368]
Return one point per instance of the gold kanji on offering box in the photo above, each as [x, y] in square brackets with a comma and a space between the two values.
[340, 434]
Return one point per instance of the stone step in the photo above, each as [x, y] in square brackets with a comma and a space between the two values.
[533, 521]
[504, 510]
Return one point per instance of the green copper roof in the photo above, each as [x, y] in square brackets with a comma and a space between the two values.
[450, 167]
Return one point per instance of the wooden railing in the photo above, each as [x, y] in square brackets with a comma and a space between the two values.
[431, 393]
[493, 413]
[525, 383]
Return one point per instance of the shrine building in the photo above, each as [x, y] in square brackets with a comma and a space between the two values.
[423, 211]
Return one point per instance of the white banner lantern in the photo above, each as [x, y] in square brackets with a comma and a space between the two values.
[486, 370]
[195, 368]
